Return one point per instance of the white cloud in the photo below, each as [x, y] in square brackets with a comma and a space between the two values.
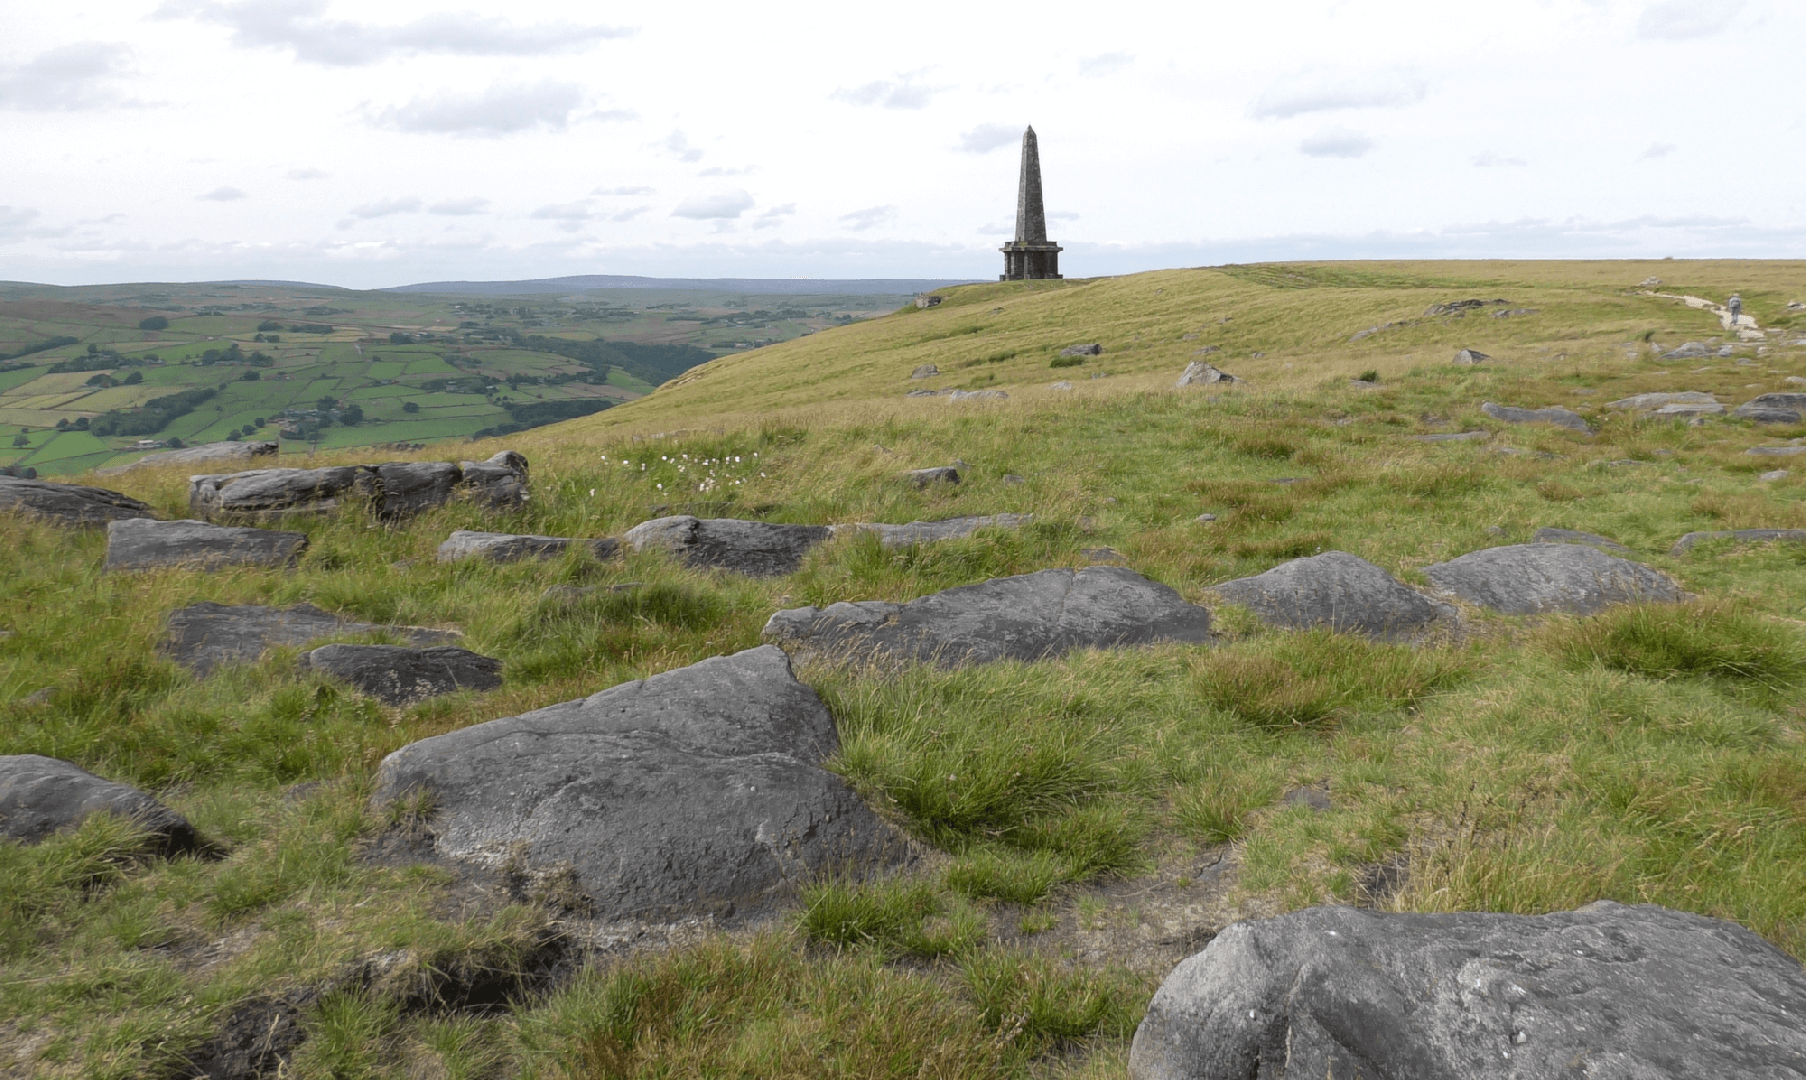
[1489, 160]
[988, 137]
[499, 110]
[1336, 142]
[774, 217]
[473, 204]
[1657, 150]
[1062, 215]
[720, 205]
[1104, 63]
[386, 207]
[611, 116]
[901, 92]
[308, 173]
[223, 194]
[870, 217]
[1680, 20]
[630, 213]
[679, 145]
[1308, 94]
[13, 221]
[716, 170]
[639, 189]
[302, 27]
[569, 216]
[68, 79]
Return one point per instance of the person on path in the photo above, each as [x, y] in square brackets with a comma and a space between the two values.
[1736, 306]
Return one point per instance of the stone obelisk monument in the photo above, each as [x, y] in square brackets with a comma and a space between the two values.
[1030, 255]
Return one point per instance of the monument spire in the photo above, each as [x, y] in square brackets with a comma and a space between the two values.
[1030, 255]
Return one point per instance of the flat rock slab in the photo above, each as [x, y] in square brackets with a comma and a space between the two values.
[206, 634]
[1541, 579]
[1606, 991]
[43, 795]
[1091, 349]
[1554, 414]
[397, 675]
[143, 544]
[509, 547]
[938, 474]
[1028, 617]
[1658, 399]
[218, 453]
[1469, 357]
[697, 790]
[1336, 590]
[395, 489]
[1776, 451]
[927, 532]
[1778, 408]
[1455, 436]
[68, 504]
[1741, 536]
[1575, 536]
[754, 548]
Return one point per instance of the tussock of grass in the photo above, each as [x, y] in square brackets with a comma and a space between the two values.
[898, 917]
[1309, 679]
[1049, 1004]
[1702, 640]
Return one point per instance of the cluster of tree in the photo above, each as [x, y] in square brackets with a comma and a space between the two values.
[152, 416]
[539, 413]
[268, 325]
[104, 380]
[473, 385]
[651, 363]
[235, 354]
[42, 346]
[99, 359]
[244, 432]
[273, 339]
[155, 322]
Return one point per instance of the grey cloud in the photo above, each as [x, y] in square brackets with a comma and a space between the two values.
[630, 213]
[1104, 63]
[302, 26]
[901, 92]
[716, 170]
[385, 207]
[569, 216]
[612, 116]
[1489, 160]
[474, 204]
[1336, 142]
[66, 79]
[988, 137]
[1679, 20]
[870, 217]
[1374, 90]
[635, 190]
[774, 217]
[308, 174]
[717, 206]
[499, 110]
[14, 220]
[223, 194]
[679, 145]
[1657, 150]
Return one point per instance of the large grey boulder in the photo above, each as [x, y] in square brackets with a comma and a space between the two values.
[1776, 451]
[1090, 349]
[402, 488]
[1778, 408]
[508, 547]
[398, 675]
[1643, 402]
[697, 790]
[1336, 590]
[935, 474]
[1630, 993]
[1539, 579]
[1470, 357]
[143, 544]
[1555, 414]
[394, 489]
[498, 482]
[977, 395]
[68, 504]
[1741, 536]
[927, 532]
[1028, 617]
[754, 548]
[1692, 350]
[43, 795]
[205, 634]
[1198, 373]
[1575, 536]
[218, 453]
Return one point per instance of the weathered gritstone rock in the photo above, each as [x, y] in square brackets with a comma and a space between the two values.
[1642, 402]
[697, 790]
[1555, 414]
[753, 548]
[1575, 536]
[143, 544]
[1541, 579]
[1336, 590]
[976, 395]
[43, 795]
[1469, 357]
[206, 634]
[1741, 536]
[939, 474]
[1606, 991]
[1028, 617]
[1693, 350]
[1775, 451]
[68, 504]
[925, 371]
[1198, 373]
[508, 547]
[1690, 409]
[1777, 408]
[211, 454]
[398, 675]
[396, 489]
[1092, 349]
[927, 532]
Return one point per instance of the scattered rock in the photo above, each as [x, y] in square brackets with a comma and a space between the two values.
[1061, 385]
[1461, 307]
[206, 634]
[1741, 536]
[1100, 375]
[1655, 400]
[1205, 518]
[1608, 990]
[43, 795]
[1469, 357]
[1012, 478]
[1690, 410]
[1796, 305]
[927, 393]
[1554, 414]
[1092, 349]
[1315, 800]
[68, 504]
[397, 675]
[1457, 436]
[1514, 312]
[146, 544]
[218, 453]
[1541, 579]
[938, 474]
[926, 301]
[976, 395]
[697, 790]
[1575, 536]
[394, 490]
[1372, 330]
[925, 371]
[754, 548]
[1028, 617]
[1206, 350]
[1650, 283]
[1779, 408]
[1692, 350]
[507, 547]
[927, 532]
[1198, 373]
[1773, 475]
[1795, 380]
[1343, 592]
[1775, 451]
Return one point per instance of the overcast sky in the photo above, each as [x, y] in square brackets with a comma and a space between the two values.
[381, 143]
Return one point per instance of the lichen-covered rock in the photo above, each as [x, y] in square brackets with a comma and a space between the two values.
[1554, 414]
[395, 489]
[68, 504]
[1336, 590]
[1778, 408]
[205, 634]
[754, 548]
[938, 474]
[499, 482]
[1741, 536]
[1539, 579]
[399, 675]
[927, 532]
[144, 544]
[508, 547]
[43, 795]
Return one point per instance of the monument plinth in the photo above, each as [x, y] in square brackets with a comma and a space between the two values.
[1031, 256]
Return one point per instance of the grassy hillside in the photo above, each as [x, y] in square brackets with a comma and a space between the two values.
[1089, 820]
